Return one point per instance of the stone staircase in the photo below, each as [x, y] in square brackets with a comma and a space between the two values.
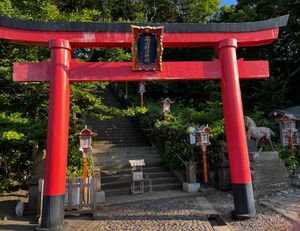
[118, 141]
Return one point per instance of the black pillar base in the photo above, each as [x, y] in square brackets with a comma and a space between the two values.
[52, 213]
[243, 201]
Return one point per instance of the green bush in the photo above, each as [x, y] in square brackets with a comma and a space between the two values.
[291, 159]
[171, 136]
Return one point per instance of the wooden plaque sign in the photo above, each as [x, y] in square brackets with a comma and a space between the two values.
[147, 48]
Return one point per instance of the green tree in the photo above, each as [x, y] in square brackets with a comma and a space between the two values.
[24, 107]
[282, 88]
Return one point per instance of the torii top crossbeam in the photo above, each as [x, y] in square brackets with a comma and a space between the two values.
[94, 34]
[80, 34]
[61, 70]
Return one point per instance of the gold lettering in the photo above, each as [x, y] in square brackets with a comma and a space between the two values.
[147, 41]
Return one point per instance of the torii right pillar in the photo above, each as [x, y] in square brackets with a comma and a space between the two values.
[235, 131]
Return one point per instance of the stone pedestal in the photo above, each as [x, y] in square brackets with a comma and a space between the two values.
[191, 171]
[34, 193]
[268, 172]
[100, 197]
[224, 181]
[96, 174]
[190, 187]
[224, 178]
[295, 178]
[34, 200]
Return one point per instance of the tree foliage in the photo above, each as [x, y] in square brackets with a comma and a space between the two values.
[24, 107]
[283, 86]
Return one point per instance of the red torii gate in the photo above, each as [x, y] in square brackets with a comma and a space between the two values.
[61, 70]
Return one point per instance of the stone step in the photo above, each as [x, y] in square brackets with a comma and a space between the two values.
[129, 131]
[154, 175]
[274, 175]
[124, 157]
[119, 118]
[130, 156]
[102, 154]
[105, 167]
[117, 125]
[147, 170]
[98, 153]
[120, 135]
[280, 170]
[126, 190]
[147, 182]
[99, 143]
[107, 145]
[120, 139]
[124, 162]
[123, 150]
[114, 125]
[118, 161]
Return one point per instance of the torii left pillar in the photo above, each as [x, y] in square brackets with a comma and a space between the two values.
[57, 137]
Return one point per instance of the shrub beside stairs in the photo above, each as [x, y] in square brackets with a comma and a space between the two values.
[118, 141]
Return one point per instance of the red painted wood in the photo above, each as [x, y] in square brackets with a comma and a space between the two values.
[31, 72]
[58, 119]
[121, 71]
[122, 39]
[233, 114]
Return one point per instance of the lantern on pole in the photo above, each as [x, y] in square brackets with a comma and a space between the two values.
[202, 140]
[142, 91]
[85, 146]
[166, 107]
[289, 130]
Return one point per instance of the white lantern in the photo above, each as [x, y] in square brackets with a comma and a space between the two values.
[202, 136]
[166, 105]
[142, 88]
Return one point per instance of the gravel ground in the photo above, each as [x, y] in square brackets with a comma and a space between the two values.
[266, 219]
[165, 214]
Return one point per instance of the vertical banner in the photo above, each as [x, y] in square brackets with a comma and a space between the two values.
[147, 48]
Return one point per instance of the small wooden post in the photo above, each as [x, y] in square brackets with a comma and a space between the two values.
[74, 121]
[142, 100]
[85, 198]
[126, 90]
[70, 182]
[291, 141]
[41, 184]
[81, 193]
[205, 179]
[142, 91]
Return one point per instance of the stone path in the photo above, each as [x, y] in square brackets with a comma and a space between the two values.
[163, 195]
[179, 211]
[185, 213]
[171, 210]
[286, 202]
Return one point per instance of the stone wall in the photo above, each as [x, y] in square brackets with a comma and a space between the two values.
[268, 172]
